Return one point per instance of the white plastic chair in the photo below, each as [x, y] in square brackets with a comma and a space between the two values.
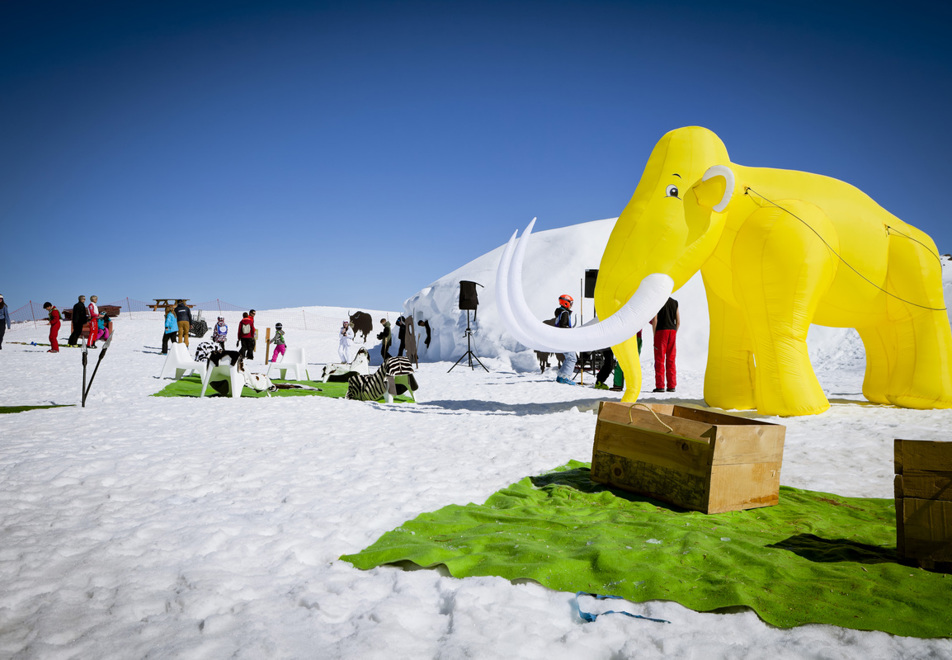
[226, 372]
[179, 361]
[293, 359]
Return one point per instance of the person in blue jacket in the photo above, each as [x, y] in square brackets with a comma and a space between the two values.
[4, 319]
[171, 329]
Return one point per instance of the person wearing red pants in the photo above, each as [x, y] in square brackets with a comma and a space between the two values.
[93, 321]
[54, 326]
[665, 326]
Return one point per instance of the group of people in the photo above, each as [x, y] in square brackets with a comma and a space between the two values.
[664, 325]
[178, 321]
[83, 317]
[405, 335]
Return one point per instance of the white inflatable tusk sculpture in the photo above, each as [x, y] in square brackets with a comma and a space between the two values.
[650, 296]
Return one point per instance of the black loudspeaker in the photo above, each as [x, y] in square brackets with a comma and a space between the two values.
[590, 276]
[467, 295]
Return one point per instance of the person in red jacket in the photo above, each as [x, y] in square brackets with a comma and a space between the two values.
[93, 321]
[246, 336]
[54, 317]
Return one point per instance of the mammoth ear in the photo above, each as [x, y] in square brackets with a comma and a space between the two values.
[715, 188]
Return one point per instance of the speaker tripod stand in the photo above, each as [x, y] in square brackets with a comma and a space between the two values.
[469, 348]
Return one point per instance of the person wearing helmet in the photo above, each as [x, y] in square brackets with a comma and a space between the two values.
[563, 319]
[278, 341]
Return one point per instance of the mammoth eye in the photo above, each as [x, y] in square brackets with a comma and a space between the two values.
[672, 191]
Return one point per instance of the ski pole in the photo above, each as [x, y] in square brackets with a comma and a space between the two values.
[83, 391]
[102, 354]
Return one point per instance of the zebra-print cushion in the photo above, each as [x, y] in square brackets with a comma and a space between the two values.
[372, 387]
[398, 366]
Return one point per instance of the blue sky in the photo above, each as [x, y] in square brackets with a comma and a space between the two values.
[281, 153]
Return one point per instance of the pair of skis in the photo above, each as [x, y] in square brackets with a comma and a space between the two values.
[102, 354]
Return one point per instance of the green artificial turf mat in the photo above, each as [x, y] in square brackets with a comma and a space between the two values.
[814, 558]
[15, 409]
[191, 386]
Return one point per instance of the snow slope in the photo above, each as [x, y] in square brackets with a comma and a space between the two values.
[182, 528]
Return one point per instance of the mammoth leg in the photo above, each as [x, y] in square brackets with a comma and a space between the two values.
[923, 340]
[781, 270]
[729, 376]
[627, 355]
[880, 345]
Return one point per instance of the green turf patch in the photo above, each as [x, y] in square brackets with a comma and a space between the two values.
[15, 409]
[814, 558]
[191, 386]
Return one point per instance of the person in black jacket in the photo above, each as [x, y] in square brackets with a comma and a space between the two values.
[401, 335]
[665, 326]
[4, 319]
[426, 326]
[385, 338]
[183, 315]
[79, 319]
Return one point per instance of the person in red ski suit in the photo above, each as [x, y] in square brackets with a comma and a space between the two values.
[54, 317]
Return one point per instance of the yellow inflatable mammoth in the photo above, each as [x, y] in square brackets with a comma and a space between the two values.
[778, 250]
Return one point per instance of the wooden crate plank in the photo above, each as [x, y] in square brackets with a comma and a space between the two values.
[744, 486]
[900, 527]
[926, 485]
[716, 418]
[656, 481]
[748, 444]
[927, 529]
[922, 455]
[666, 450]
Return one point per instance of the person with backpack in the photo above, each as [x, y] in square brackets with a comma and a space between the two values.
[171, 329]
[54, 319]
[246, 336]
[220, 333]
[4, 319]
[563, 319]
[183, 316]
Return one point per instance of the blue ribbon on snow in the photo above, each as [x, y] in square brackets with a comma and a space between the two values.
[589, 617]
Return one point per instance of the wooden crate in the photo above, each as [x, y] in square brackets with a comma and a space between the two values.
[923, 486]
[696, 459]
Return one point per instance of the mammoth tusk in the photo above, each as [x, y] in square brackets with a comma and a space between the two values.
[502, 296]
[620, 326]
